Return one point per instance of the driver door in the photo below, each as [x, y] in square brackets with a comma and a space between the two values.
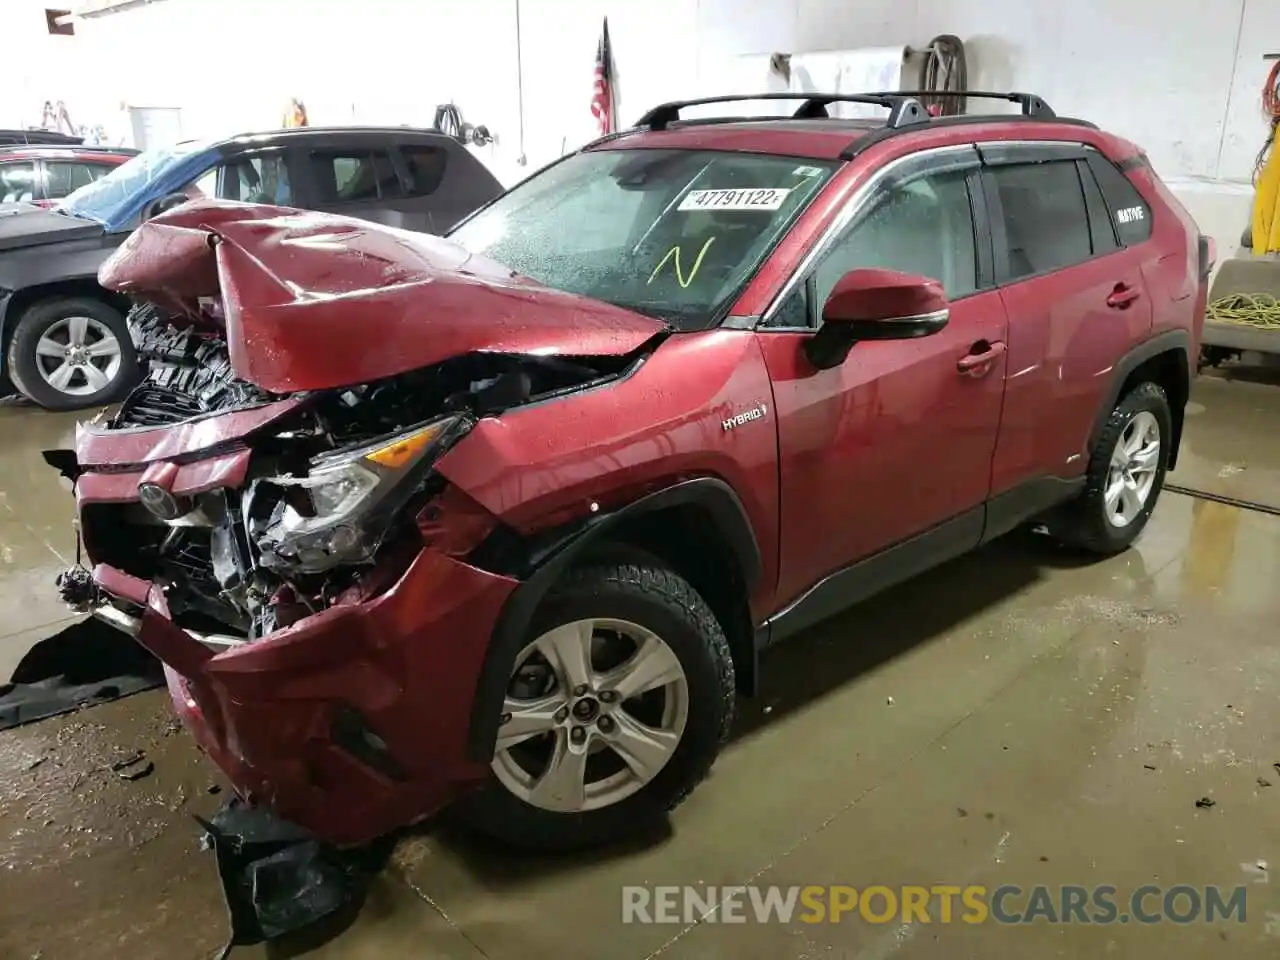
[899, 439]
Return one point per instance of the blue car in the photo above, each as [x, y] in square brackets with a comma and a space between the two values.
[64, 341]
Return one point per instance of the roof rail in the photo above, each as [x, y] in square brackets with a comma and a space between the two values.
[904, 109]
[1031, 104]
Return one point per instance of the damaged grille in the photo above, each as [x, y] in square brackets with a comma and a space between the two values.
[188, 374]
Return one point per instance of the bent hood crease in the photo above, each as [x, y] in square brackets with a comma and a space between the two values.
[314, 301]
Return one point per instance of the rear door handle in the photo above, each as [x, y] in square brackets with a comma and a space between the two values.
[1122, 296]
[978, 361]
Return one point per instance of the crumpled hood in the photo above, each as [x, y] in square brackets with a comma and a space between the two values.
[313, 301]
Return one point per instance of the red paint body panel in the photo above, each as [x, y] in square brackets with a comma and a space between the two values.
[186, 479]
[1064, 342]
[96, 446]
[408, 660]
[547, 463]
[314, 301]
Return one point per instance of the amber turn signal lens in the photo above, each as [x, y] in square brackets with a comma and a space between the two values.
[403, 451]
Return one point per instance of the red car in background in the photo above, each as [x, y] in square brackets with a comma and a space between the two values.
[45, 173]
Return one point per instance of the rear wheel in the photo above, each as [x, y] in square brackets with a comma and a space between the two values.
[1126, 474]
[70, 353]
[617, 705]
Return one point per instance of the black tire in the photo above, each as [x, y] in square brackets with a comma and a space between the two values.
[1083, 523]
[661, 601]
[35, 321]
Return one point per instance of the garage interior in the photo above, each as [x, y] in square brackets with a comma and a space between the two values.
[1015, 716]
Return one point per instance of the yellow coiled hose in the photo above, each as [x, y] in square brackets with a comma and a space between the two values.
[1253, 309]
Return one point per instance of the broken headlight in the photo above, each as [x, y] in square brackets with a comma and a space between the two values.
[339, 513]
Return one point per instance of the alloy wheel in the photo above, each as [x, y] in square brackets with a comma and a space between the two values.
[78, 356]
[1135, 461]
[595, 709]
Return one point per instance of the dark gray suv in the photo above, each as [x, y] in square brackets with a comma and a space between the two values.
[64, 339]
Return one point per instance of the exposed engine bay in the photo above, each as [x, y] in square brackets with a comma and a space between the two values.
[338, 482]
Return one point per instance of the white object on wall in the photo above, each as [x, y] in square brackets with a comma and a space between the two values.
[868, 70]
[155, 126]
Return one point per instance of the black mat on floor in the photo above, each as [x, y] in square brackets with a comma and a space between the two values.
[80, 666]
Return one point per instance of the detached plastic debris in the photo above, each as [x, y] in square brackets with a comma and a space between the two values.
[134, 767]
[277, 878]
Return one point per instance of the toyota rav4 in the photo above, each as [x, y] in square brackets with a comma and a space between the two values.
[505, 518]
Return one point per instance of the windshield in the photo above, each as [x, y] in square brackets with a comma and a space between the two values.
[105, 200]
[671, 233]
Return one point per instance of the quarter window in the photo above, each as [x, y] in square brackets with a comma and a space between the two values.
[426, 169]
[1046, 223]
[1129, 211]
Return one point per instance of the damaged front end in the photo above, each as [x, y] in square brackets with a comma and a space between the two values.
[264, 514]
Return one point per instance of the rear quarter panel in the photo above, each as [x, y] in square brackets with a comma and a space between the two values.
[546, 464]
[1178, 292]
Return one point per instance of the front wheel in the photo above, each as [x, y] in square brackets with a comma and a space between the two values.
[616, 708]
[70, 353]
[1126, 474]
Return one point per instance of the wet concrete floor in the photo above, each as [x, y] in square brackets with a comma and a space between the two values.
[1015, 717]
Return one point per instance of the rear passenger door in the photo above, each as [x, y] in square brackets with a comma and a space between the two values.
[1075, 299]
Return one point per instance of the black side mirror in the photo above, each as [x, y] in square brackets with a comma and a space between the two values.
[166, 203]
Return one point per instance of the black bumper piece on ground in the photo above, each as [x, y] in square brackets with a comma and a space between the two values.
[277, 879]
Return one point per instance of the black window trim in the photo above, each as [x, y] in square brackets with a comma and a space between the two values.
[1096, 208]
[1030, 154]
[859, 201]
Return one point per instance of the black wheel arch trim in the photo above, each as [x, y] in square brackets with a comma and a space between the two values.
[539, 561]
[1166, 342]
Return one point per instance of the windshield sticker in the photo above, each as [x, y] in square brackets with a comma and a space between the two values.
[1130, 214]
[769, 198]
[674, 256]
[807, 172]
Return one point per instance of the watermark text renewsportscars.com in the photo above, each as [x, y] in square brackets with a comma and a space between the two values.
[936, 903]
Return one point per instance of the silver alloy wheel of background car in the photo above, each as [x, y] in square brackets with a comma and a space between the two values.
[1132, 473]
[602, 711]
[78, 356]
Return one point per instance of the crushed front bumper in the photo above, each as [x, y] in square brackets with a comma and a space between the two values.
[351, 722]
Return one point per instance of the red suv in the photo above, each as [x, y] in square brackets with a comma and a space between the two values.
[507, 517]
[44, 174]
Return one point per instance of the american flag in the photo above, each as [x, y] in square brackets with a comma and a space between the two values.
[602, 93]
